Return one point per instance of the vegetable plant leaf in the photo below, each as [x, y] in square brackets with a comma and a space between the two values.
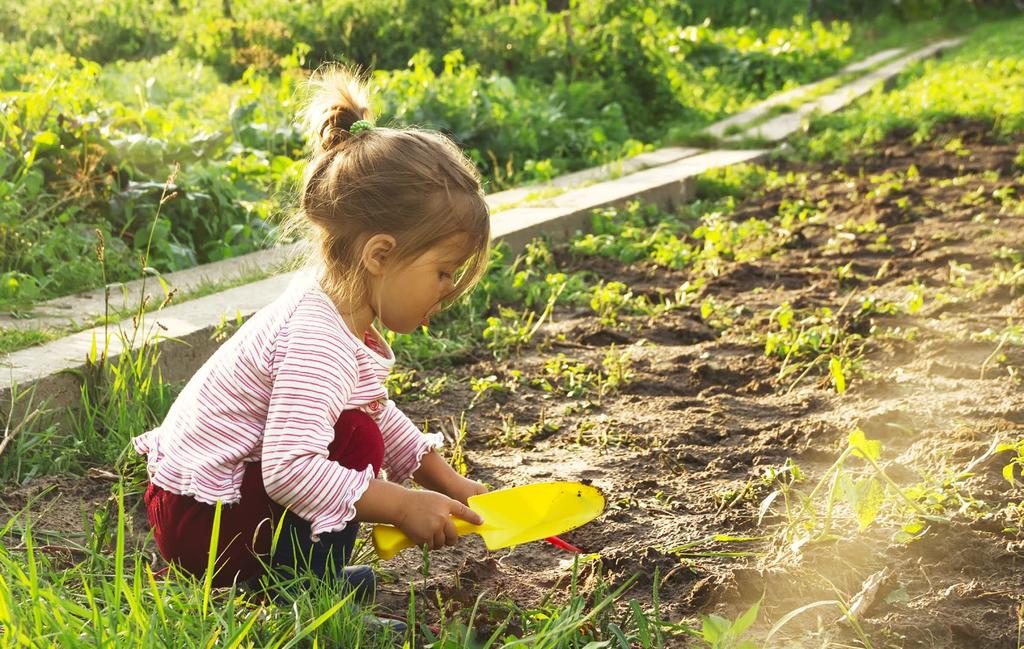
[864, 447]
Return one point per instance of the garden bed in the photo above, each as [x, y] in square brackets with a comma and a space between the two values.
[755, 336]
[917, 253]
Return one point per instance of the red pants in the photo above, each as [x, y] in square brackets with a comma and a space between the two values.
[182, 526]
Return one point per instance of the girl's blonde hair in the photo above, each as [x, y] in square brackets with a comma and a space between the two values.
[413, 184]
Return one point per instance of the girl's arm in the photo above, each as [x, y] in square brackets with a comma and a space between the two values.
[436, 474]
[408, 453]
[424, 516]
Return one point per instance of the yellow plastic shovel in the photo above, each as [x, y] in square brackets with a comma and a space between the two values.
[513, 516]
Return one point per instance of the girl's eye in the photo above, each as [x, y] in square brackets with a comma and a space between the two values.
[445, 275]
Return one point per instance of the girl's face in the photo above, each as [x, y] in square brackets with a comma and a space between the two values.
[409, 296]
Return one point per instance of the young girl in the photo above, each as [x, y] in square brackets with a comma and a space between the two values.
[290, 417]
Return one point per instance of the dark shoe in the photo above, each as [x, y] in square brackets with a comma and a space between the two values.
[362, 580]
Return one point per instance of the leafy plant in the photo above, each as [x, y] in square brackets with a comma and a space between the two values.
[818, 340]
[608, 299]
[1013, 470]
[483, 385]
[511, 330]
[865, 491]
[513, 434]
[721, 633]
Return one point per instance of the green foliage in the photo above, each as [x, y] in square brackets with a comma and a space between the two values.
[98, 31]
[727, 240]
[101, 103]
[738, 181]
[701, 236]
[89, 149]
[611, 298]
[1013, 470]
[515, 129]
[627, 235]
[567, 376]
[509, 331]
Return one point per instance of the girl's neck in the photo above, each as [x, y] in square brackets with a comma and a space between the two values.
[359, 319]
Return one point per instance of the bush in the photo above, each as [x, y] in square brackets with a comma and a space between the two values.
[98, 30]
[92, 131]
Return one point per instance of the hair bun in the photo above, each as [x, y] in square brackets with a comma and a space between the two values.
[338, 98]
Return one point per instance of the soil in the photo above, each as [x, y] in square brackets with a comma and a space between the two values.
[679, 452]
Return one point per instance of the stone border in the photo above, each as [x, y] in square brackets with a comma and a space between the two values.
[510, 198]
[718, 129]
[669, 186]
[52, 367]
[783, 125]
[88, 305]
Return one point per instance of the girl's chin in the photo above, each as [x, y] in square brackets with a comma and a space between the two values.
[406, 329]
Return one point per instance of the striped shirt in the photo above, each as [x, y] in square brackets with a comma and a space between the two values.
[273, 392]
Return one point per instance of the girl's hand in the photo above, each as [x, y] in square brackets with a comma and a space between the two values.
[426, 518]
[437, 475]
[461, 488]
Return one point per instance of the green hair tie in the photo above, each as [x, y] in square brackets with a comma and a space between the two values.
[359, 126]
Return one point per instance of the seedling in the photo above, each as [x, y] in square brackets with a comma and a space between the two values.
[569, 377]
[589, 433]
[864, 491]
[845, 275]
[482, 385]
[456, 436]
[617, 368]
[728, 240]
[512, 330]
[637, 233]
[721, 633]
[958, 273]
[513, 434]
[609, 299]
[816, 341]
[800, 212]
[698, 548]
[915, 299]
[1013, 470]
[717, 315]
[401, 382]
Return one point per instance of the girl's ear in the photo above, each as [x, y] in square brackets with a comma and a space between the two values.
[376, 251]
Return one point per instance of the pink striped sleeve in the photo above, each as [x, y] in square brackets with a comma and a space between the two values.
[404, 443]
[314, 372]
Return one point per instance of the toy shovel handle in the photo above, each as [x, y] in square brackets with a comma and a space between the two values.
[388, 540]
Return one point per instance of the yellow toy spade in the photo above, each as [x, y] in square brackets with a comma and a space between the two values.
[513, 516]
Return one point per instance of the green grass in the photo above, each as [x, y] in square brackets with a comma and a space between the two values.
[102, 592]
[982, 80]
[14, 339]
